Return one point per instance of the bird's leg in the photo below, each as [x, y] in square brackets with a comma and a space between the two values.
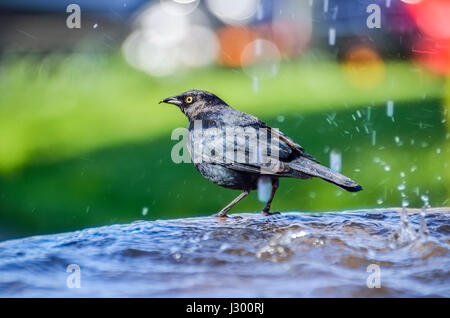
[266, 210]
[223, 212]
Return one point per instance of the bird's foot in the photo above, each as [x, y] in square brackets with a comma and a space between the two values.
[220, 215]
[226, 216]
[267, 213]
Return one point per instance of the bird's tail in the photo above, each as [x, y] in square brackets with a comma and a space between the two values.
[314, 169]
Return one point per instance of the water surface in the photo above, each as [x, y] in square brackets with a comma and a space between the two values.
[289, 255]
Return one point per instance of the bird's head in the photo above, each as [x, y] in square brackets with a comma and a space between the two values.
[193, 103]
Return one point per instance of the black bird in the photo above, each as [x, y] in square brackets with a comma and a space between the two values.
[282, 158]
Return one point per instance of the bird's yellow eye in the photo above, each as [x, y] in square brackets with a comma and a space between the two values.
[189, 99]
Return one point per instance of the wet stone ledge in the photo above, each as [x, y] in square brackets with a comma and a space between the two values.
[347, 254]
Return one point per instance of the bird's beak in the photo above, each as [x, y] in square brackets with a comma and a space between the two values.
[171, 100]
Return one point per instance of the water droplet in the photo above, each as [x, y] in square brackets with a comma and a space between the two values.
[95, 26]
[379, 201]
[335, 160]
[424, 198]
[255, 83]
[405, 203]
[390, 108]
[280, 118]
[387, 168]
[264, 188]
[298, 234]
[144, 211]
[401, 187]
[332, 36]
[177, 256]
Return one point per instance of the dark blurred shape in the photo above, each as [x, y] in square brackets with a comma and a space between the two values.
[348, 18]
[40, 26]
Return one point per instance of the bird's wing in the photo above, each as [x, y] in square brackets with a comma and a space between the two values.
[295, 149]
[252, 148]
[290, 149]
[246, 152]
[239, 149]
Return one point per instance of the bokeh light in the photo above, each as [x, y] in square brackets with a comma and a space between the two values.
[433, 48]
[233, 40]
[171, 36]
[411, 1]
[179, 7]
[433, 54]
[363, 67]
[433, 17]
[233, 11]
[260, 58]
[292, 26]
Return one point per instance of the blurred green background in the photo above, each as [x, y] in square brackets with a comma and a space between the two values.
[84, 142]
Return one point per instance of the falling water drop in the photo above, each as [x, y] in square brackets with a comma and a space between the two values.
[423, 213]
[332, 36]
[255, 83]
[390, 108]
[264, 188]
[259, 11]
[335, 160]
[280, 118]
[335, 12]
[405, 203]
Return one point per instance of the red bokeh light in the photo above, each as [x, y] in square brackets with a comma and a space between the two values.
[434, 54]
[433, 19]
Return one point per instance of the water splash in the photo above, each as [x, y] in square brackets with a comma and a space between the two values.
[207, 257]
[264, 188]
[331, 36]
[335, 160]
[423, 213]
[390, 108]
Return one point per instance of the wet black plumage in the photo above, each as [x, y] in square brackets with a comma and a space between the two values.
[216, 118]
